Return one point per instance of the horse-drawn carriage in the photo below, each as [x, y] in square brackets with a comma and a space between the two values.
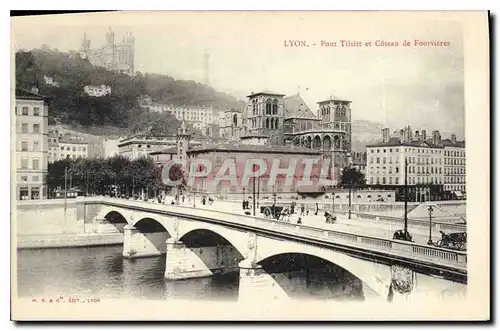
[330, 219]
[272, 211]
[456, 241]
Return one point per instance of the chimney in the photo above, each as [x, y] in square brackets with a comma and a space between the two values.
[417, 136]
[424, 135]
[436, 138]
[402, 135]
[385, 135]
[407, 134]
[34, 89]
[453, 138]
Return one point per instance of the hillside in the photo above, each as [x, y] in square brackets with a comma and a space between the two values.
[71, 106]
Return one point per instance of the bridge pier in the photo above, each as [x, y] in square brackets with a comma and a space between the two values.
[256, 285]
[138, 244]
[184, 262]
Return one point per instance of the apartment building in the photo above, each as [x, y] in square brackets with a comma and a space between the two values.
[31, 125]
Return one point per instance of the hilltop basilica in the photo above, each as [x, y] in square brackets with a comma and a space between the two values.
[117, 56]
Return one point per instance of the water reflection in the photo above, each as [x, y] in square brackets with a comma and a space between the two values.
[102, 272]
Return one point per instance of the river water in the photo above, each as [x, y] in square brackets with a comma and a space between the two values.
[102, 272]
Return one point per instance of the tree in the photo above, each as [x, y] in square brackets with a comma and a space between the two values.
[352, 177]
[175, 174]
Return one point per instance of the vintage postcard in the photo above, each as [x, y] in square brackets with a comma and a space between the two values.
[251, 165]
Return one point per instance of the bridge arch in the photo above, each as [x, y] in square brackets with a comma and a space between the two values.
[115, 220]
[206, 253]
[150, 225]
[375, 276]
[231, 237]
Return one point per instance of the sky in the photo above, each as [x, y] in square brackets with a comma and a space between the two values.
[396, 86]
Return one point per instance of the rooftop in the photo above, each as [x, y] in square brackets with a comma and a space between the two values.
[171, 150]
[243, 148]
[449, 143]
[265, 92]
[296, 107]
[333, 98]
[71, 140]
[393, 141]
[28, 95]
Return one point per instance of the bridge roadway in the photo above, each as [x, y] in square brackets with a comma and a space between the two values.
[418, 255]
[383, 228]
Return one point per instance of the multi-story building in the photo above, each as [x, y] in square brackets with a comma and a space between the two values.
[31, 123]
[110, 147]
[64, 146]
[264, 118]
[231, 124]
[50, 81]
[359, 162]
[141, 145]
[240, 153]
[112, 56]
[454, 168]
[198, 117]
[70, 147]
[97, 91]
[425, 164]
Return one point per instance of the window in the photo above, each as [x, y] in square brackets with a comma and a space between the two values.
[25, 110]
[24, 146]
[36, 146]
[36, 128]
[36, 164]
[24, 127]
[378, 159]
[24, 163]
[74, 149]
[35, 178]
[36, 111]
[24, 178]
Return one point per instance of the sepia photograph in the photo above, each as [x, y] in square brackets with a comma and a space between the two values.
[250, 165]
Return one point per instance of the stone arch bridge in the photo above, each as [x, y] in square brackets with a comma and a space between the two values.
[200, 243]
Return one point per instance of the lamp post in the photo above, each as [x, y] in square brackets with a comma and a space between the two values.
[332, 165]
[349, 161]
[65, 188]
[430, 209]
[243, 202]
[333, 200]
[253, 193]
[274, 196]
[258, 192]
[406, 195]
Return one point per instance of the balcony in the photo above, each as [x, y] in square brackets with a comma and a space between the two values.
[314, 127]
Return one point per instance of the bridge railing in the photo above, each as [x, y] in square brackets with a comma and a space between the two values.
[408, 250]
[417, 222]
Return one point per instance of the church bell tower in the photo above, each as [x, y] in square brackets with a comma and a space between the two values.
[183, 137]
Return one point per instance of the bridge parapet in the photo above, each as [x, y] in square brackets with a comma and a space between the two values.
[437, 225]
[407, 251]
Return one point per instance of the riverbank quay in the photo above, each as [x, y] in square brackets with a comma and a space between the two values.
[68, 240]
